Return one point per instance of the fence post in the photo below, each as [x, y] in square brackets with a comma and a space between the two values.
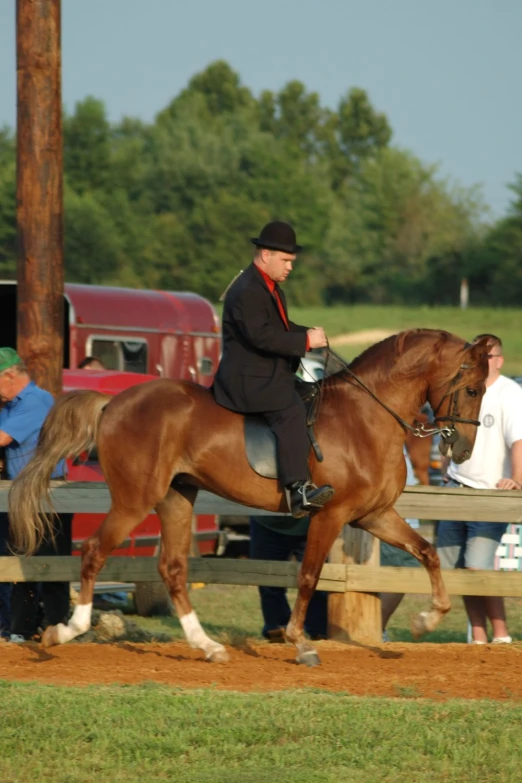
[355, 617]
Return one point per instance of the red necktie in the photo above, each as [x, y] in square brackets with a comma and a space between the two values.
[281, 309]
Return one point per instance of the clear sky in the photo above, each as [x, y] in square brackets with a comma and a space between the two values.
[446, 73]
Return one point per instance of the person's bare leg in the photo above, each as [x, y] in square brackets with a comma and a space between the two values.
[497, 615]
[476, 610]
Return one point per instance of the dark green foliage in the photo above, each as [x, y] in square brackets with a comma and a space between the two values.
[7, 205]
[173, 203]
[500, 260]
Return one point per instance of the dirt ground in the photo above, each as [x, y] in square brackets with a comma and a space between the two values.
[398, 670]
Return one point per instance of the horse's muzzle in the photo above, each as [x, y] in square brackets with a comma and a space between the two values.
[456, 446]
[458, 449]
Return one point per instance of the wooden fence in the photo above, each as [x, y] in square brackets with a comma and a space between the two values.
[353, 575]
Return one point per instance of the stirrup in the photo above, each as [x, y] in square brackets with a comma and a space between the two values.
[311, 498]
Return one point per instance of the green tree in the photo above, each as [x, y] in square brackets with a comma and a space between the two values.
[294, 115]
[173, 204]
[220, 90]
[7, 204]
[355, 133]
[400, 228]
[94, 250]
[213, 187]
[130, 143]
[87, 146]
[496, 271]
[190, 160]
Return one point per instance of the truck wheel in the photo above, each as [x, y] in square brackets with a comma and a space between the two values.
[152, 598]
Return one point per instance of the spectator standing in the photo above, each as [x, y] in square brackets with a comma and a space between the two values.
[281, 538]
[496, 463]
[21, 418]
[5, 587]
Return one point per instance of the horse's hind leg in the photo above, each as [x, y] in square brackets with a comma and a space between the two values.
[114, 529]
[392, 529]
[175, 513]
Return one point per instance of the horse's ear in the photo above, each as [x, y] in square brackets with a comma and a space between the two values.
[480, 349]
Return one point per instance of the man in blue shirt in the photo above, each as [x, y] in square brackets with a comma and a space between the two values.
[25, 407]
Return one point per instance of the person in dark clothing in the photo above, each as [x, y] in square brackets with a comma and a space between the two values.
[261, 352]
[5, 587]
[281, 538]
[21, 418]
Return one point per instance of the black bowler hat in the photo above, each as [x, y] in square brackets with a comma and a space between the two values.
[278, 236]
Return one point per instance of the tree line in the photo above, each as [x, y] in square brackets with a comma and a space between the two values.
[172, 204]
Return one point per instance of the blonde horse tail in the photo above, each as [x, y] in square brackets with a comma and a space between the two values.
[71, 427]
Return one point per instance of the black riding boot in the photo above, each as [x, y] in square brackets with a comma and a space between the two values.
[303, 497]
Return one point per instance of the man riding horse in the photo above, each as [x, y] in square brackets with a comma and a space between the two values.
[261, 352]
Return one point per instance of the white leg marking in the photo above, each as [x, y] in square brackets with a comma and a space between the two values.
[80, 622]
[197, 637]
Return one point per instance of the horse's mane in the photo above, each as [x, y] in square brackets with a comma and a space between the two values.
[397, 358]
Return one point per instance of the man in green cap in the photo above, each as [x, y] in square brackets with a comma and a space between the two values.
[25, 407]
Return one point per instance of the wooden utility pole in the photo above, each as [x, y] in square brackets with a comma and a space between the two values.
[39, 191]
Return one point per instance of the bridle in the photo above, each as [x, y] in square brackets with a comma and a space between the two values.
[448, 432]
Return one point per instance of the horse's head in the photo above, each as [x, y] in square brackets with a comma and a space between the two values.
[456, 393]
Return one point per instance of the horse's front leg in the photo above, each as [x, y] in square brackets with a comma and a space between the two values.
[324, 529]
[388, 526]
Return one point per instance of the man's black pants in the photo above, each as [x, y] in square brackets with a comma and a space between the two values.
[26, 596]
[293, 445]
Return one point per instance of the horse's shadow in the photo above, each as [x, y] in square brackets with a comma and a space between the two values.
[41, 654]
[382, 653]
[140, 651]
[245, 646]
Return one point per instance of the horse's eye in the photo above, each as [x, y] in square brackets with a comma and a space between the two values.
[471, 392]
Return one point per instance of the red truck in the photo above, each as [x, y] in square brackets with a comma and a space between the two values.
[138, 335]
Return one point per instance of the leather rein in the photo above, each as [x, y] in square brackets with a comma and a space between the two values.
[448, 432]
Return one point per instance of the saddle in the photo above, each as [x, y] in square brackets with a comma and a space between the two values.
[260, 441]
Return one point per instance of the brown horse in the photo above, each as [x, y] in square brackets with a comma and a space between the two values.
[159, 442]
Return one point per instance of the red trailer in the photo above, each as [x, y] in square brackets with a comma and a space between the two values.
[144, 539]
[138, 335]
[160, 333]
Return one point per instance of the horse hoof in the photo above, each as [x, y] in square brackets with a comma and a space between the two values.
[219, 656]
[50, 636]
[419, 625]
[309, 659]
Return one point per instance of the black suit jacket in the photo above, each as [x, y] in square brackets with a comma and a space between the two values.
[260, 356]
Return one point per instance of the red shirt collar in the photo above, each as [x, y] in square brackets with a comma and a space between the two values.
[268, 280]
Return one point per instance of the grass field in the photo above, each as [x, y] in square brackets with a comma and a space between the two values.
[156, 733]
[507, 324]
